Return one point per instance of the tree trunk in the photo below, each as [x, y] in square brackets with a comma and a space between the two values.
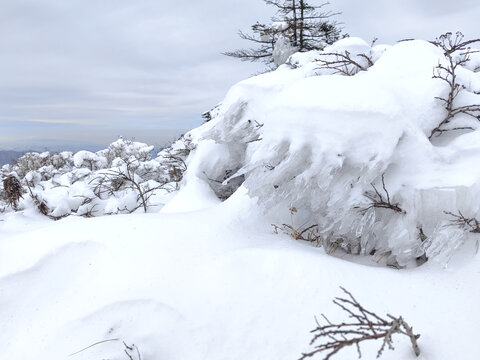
[301, 26]
[295, 22]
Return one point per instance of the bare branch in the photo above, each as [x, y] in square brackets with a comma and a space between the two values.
[457, 53]
[470, 224]
[364, 325]
[343, 63]
[378, 200]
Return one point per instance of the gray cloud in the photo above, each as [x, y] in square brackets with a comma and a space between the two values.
[88, 70]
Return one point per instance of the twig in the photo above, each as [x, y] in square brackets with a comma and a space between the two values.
[378, 200]
[344, 64]
[451, 45]
[470, 224]
[97, 343]
[363, 325]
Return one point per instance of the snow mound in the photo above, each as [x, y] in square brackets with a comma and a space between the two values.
[352, 153]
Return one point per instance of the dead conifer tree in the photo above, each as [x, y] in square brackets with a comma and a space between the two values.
[13, 191]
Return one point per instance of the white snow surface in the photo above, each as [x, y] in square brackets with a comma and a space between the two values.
[282, 50]
[200, 278]
[211, 284]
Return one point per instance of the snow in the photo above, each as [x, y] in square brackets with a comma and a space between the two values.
[318, 143]
[195, 195]
[203, 275]
[222, 287]
[282, 50]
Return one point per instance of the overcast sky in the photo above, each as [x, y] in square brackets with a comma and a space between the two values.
[86, 71]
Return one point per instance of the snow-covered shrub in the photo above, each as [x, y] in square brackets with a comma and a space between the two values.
[89, 160]
[44, 164]
[347, 152]
[33, 178]
[127, 177]
[31, 161]
[124, 149]
[461, 105]
[63, 160]
[173, 159]
[121, 178]
[347, 57]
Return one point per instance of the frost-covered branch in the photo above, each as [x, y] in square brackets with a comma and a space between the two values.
[305, 233]
[111, 181]
[174, 159]
[342, 63]
[42, 205]
[470, 224]
[363, 325]
[381, 201]
[458, 54]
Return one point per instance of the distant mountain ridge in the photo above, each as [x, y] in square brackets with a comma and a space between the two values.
[8, 156]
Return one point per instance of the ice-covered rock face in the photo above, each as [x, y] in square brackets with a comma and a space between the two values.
[351, 153]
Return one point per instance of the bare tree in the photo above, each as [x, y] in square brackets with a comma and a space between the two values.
[363, 325]
[457, 51]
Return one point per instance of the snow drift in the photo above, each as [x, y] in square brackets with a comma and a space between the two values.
[333, 146]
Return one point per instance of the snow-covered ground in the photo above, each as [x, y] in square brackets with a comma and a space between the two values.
[209, 284]
[202, 275]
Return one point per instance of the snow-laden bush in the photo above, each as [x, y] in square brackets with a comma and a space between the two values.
[46, 165]
[62, 160]
[347, 56]
[89, 160]
[123, 149]
[31, 161]
[345, 150]
[120, 179]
